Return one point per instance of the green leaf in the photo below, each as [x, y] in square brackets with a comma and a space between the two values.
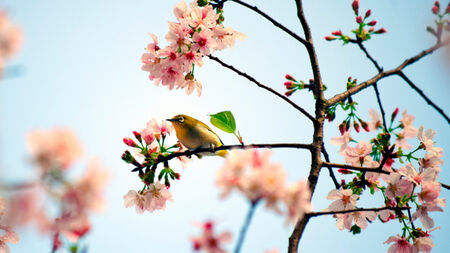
[224, 121]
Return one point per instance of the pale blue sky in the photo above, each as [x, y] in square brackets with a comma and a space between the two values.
[81, 69]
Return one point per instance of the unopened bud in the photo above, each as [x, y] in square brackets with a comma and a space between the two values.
[347, 126]
[130, 142]
[330, 38]
[355, 6]
[289, 84]
[372, 23]
[137, 135]
[356, 126]
[447, 10]
[435, 9]
[394, 114]
[382, 30]
[371, 30]
[289, 92]
[359, 19]
[337, 33]
[342, 127]
[364, 125]
[289, 77]
[344, 171]
[127, 157]
[368, 12]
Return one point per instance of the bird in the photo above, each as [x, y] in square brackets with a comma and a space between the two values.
[194, 134]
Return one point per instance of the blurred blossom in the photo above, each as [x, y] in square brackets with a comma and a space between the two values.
[10, 39]
[24, 206]
[209, 241]
[53, 149]
[7, 235]
[297, 199]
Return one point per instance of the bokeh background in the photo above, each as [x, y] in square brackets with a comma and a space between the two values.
[79, 67]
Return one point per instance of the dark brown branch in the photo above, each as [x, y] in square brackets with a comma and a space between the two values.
[315, 214]
[341, 96]
[188, 153]
[250, 78]
[351, 167]
[413, 86]
[273, 21]
[363, 48]
[327, 159]
[320, 105]
[446, 186]
[383, 114]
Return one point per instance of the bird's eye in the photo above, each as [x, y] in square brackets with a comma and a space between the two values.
[181, 119]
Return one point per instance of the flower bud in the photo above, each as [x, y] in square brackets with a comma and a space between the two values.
[342, 127]
[289, 77]
[355, 6]
[289, 84]
[447, 10]
[347, 125]
[372, 23]
[380, 31]
[368, 12]
[148, 137]
[130, 142]
[330, 38]
[364, 125]
[127, 157]
[356, 126]
[394, 114]
[344, 171]
[435, 9]
[359, 19]
[371, 30]
[289, 92]
[337, 33]
[137, 135]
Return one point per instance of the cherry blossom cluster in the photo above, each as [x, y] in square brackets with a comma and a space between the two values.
[361, 33]
[54, 152]
[442, 22]
[197, 32]
[10, 39]
[411, 184]
[292, 85]
[7, 235]
[209, 241]
[253, 174]
[150, 145]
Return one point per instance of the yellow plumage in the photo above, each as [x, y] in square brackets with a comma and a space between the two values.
[194, 134]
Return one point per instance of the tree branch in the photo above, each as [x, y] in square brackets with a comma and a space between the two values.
[315, 214]
[327, 159]
[245, 226]
[273, 21]
[351, 167]
[188, 153]
[413, 86]
[250, 78]
[341, 96]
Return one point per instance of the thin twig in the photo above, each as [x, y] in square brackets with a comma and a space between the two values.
[17, 186]
[273, 21]
[327, 159]
[413, 86]
[341, 96]
[383, 114]
[250, 78]
[245, 226]
[188, 153]
[351, 167]
[315, 214]
[446, 186]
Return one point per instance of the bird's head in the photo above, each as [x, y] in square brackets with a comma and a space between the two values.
[183, 121]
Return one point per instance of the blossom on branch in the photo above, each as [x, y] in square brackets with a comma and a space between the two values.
[10, 39]
[343, 199]
[208, 241]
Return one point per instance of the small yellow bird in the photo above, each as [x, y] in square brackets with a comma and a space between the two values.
[194, 134]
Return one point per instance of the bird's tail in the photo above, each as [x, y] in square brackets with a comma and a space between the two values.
[222, 153]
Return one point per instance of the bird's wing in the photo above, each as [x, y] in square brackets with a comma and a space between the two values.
[209, 129]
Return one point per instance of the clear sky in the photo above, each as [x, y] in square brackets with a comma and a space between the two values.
[80, 68]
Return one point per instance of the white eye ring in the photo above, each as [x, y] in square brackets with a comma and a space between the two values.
[181, 119]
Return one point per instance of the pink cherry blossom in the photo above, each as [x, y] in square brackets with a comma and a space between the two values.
[226, 37]
[54, 148]
[297, 199]
[422, 213]
[356, 155]
[10, 39]
[401, 245]
[9, 236]
[430, 191]
[24, 206]
[431, 161]
[408, 132]
[397, 186]
[417, 177]
[426, 139]
[386, 215]
[345, 221]
[273, 251]
[203, 42]
[376, 121]
[341, 141]
[190, 85]
[133, 198]
[203, 18]
[209, 241]
[344, 199]
[157, 196]
[178, 35]
[159, 129]
[423, 244]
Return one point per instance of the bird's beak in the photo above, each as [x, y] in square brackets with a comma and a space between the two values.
[170, 119]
